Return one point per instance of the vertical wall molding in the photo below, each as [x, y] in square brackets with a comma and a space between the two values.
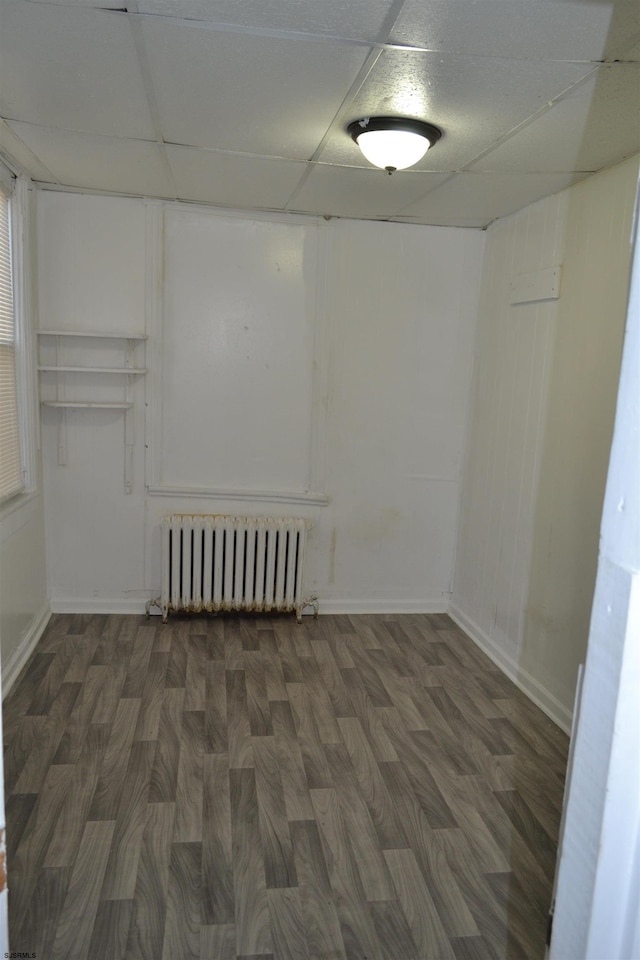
[154, 270]
[23, 264]
[322, 341]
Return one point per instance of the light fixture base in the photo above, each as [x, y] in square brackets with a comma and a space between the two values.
[393, 143]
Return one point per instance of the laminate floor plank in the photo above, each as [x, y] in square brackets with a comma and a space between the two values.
[120, 874]
[317, 900]
[288, 655]
[110, 692]
[331, 679]
[164, 778]
[110, 930]
[32, 849]
[370, 862]
[135, 679]
[418, 908]
[50, 684]
[51, 744]
[20, 742]
[75, 926]
[424, 841]
[313, 757]
[18, 810]
[372, 787]
[253, 929]
[287, 924]
[438, 811]
[371, 717]
[215, 706]
[219, 941]
[295, 787]
[26, 686]
[257, 703]
[178, 656]
[195, 681]
[70, 824]
[328, 729]
[277, 848]
[238, 725]
[248, 788]
[273, 673]
[108, 791]
[148, 911]
[217, 864]
[182, 920]
[356, 924]
[190, 779]
[376, 689]
[41, 920]
[150, 695]
[394, 935]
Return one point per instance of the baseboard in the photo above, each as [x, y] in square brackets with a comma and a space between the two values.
[384, 606]
[97, 605]
[536, 692]
[137, 605]
[11, 669]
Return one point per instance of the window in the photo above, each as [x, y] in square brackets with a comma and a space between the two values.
[11, 478]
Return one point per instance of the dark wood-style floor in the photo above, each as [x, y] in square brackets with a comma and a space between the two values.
[370, 788]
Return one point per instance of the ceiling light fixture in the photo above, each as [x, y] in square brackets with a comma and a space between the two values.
[393, 143]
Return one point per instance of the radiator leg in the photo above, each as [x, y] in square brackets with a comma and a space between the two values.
[149, 604]
[311, 602]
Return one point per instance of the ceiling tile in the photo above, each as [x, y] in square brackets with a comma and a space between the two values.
[595, 125]
[482, 197]
[571, 30]
[73, 68]
[232, 180]
[98, 163]
[250, 95]
[12, 146]
[475, 101]
[370, 194]
[623, 40]
[103, 4]
[357, 18]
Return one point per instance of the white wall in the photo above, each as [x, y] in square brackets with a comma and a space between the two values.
[24, 608]
[598, 887]
[545, 385]
[341, 349]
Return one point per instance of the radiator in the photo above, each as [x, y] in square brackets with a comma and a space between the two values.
[213, 563]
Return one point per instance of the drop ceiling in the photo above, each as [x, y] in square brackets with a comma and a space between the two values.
[245, 103]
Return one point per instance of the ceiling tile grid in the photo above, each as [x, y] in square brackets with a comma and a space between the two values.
[245, 103]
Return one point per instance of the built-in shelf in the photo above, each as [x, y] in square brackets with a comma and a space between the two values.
[125, 370]
[125, 374]
[86, 403]
[91, 333]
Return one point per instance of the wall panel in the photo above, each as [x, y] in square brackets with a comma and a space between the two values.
[296, 366]
[542, 412]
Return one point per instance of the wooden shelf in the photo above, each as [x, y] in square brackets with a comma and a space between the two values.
[125, 370]
[91, 333]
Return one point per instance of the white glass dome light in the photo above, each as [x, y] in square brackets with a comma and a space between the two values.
[393, 143]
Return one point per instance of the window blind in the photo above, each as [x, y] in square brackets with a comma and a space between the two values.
[10, 459]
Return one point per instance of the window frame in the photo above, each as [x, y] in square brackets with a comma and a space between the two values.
[19, 189]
